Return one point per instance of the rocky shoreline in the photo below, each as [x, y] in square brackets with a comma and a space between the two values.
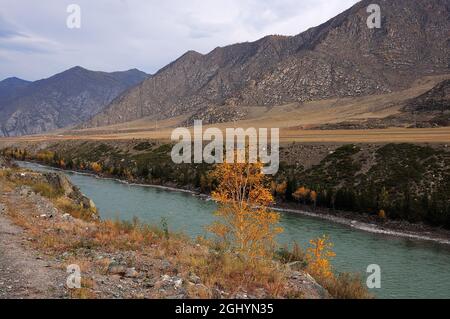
[112, 266]
[357, 221]
[396, 229]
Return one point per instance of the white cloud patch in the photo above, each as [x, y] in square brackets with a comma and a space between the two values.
[147, 34]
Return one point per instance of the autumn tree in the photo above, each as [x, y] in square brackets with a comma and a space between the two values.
[96, 167]
[318, 256]
[281, 189]
[302, 194]
[245, 223]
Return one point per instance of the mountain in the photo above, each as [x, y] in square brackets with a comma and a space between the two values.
[435, 100]
[65, 99]
[10, 88]
[340, 58]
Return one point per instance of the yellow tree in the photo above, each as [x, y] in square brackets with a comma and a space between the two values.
[245, 222]
[96, 167]
[318, 257]
[281, 189]
[301, 194]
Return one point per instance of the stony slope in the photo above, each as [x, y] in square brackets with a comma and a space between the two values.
[62, 100]
[435, 100]
[11, 88]
[339, 58]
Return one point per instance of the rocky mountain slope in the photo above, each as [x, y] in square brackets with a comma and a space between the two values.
[10, 88]
[339, 58]
[62, 100]
[435, 100]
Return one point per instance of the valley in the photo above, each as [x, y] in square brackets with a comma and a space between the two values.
[88, 176]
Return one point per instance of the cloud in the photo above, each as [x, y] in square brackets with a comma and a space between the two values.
[201, 29]
[147, 34]
[13, 39]
[6, 29]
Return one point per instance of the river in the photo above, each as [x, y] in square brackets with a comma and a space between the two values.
[409, 268]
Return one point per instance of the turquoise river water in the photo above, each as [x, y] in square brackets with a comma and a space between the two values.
[409, 268]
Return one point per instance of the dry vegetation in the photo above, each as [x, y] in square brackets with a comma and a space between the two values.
[205, 268]
[294, 120]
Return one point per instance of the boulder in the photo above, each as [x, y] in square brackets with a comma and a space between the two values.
[60, 181]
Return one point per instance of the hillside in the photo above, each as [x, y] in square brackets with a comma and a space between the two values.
[10, 88]
[340, 58]
[65, 99]
[411, 182]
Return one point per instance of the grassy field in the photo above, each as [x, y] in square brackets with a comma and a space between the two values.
[393, 135]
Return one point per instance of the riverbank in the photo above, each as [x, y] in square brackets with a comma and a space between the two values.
[398, 182]
[122, 259]
[361, 222]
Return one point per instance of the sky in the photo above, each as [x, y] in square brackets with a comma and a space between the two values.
[116, 35]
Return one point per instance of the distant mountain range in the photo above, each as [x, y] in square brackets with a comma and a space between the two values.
[63, 100]
[340, 58]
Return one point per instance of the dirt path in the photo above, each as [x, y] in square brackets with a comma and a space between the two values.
[23, 272]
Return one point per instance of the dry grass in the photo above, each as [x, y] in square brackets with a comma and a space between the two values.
[287, 135]
[67, 206]
[45, 190]
[235, 274]
[343, 286]
[347, 286]
[216, 268]
[86, 291]
[290, 118]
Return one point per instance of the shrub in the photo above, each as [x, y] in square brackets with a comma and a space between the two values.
[46, 190]
[347, 286]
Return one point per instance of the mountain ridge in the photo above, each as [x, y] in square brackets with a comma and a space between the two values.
[339, 58]
[64, 99]
[10, 88]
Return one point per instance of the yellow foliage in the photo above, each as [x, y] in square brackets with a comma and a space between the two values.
[273, 187]
[318, 257]
[96, 167]
[313, 196]
[281, 188]
[45, 156]
[245, 222]
[302, 193]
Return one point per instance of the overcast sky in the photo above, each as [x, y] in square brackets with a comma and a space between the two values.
[116, 35]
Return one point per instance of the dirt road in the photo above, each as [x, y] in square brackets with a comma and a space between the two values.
[24, 273]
